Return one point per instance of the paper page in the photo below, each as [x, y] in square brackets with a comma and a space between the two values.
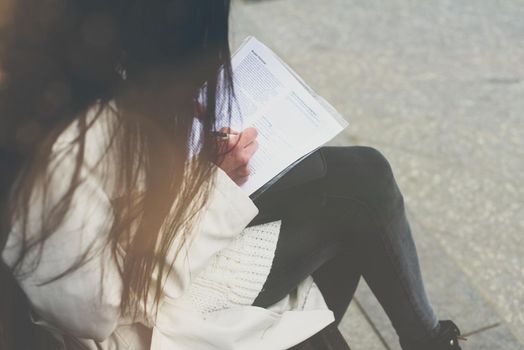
[291, 122]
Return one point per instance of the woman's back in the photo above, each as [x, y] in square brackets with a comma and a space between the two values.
[57, 63]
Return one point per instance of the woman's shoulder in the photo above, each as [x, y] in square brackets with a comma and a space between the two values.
[91, 141]
[97, 128]
[78, 170]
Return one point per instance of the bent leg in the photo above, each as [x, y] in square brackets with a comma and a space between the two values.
[353, 215]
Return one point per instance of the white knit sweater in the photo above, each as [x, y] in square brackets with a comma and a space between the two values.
[236, 274]
[207, 298]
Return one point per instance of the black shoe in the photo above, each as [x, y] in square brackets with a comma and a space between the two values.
[446, 338]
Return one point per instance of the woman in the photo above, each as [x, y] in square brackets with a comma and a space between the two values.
[121, 240]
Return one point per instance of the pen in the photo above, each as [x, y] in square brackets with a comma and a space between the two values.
[222, 136]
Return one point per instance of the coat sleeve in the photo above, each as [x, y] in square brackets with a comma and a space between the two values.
[84, 303]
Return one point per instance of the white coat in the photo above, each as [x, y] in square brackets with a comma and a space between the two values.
[206, 300]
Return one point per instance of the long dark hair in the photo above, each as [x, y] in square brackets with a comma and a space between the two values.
[148, 58]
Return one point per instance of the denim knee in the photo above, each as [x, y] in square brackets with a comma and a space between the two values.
[383, 192]
[375, 164]
[378, 188]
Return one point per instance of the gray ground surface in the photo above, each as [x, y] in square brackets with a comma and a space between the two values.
[438, 87]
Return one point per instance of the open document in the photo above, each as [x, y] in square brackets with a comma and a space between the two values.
[291, 120]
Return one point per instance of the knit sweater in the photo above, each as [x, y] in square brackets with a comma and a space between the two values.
[207, 298]
[236, 274]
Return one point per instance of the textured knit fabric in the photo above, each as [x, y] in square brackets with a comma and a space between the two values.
[236, 275]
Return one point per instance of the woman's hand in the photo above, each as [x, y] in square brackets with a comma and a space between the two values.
[236, 152]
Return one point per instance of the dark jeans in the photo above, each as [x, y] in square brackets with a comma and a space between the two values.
[351, 214]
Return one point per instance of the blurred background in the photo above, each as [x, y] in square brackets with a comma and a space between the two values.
[438, 87]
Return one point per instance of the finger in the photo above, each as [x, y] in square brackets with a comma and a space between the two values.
[229, 142]
[227, 145]
[248, 136]
[243, 171]
[228, 130]
[233, 141]
[242, 156]
[251, 149]
[241, 159]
